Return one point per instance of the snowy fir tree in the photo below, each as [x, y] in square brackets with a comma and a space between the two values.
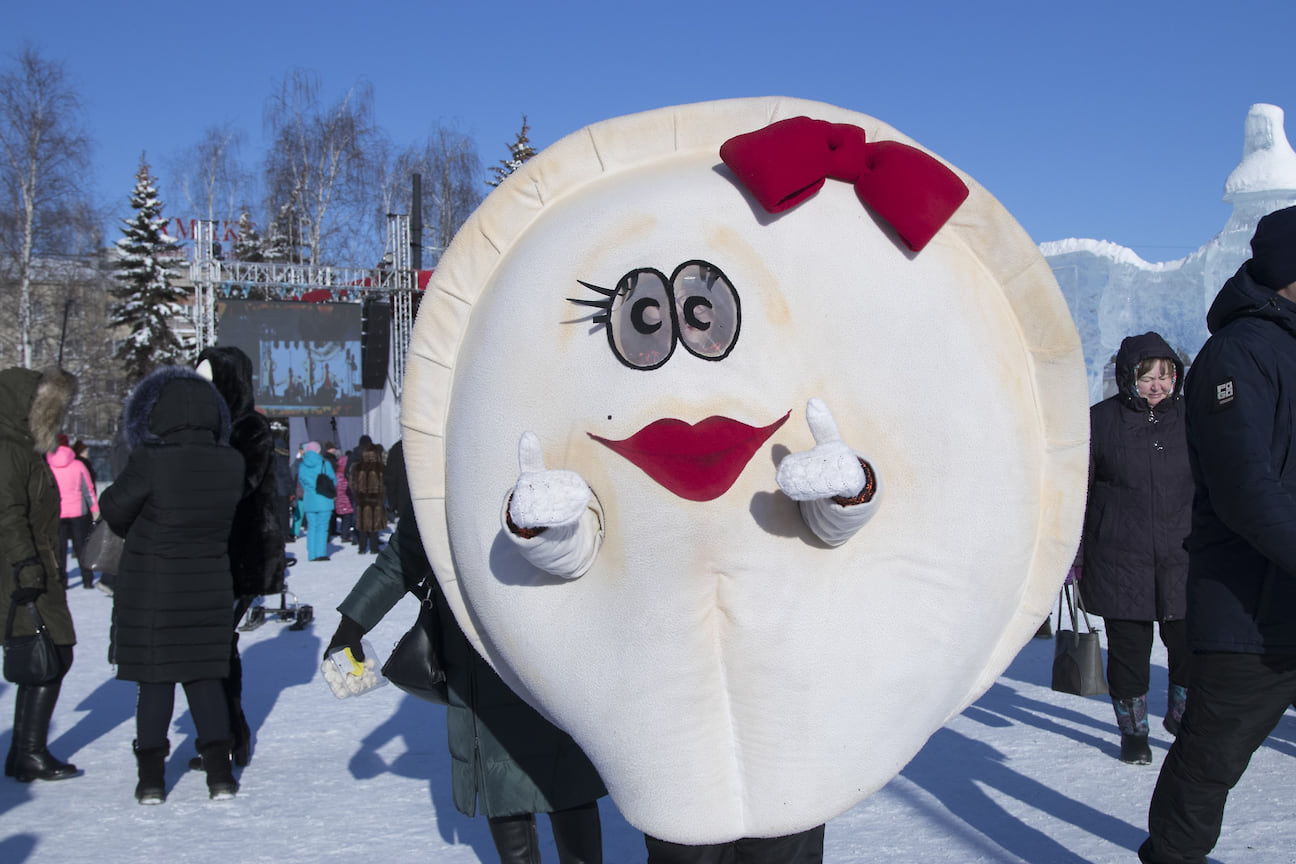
[519, 151]
[282, 244]
[247, 240]
[147, 303]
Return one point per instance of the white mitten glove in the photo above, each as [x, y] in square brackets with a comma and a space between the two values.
[830, 469]
[827, 469]
[552, 516]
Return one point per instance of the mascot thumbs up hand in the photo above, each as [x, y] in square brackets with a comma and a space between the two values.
[837, 489]
[551, 515]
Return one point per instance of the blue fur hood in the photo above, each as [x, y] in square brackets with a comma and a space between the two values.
[174, 404]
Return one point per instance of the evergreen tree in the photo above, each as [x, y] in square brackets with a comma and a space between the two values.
[283, 241]
[519, 151]
[247, 242]
[146, 301]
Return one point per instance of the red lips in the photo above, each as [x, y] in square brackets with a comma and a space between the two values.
[699, 461]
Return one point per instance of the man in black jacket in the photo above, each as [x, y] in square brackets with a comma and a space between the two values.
[1241, 618]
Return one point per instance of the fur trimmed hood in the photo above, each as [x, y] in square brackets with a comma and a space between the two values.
[231, 373]
[175, 403]
[34, 404]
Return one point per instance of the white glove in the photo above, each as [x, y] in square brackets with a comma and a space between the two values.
[827, 469]
[544, 498]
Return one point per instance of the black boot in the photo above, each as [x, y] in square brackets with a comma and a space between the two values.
[33, 707]
[216, 762]
[151, 788]
[516, 839]
[578, 834]
[1131, 719]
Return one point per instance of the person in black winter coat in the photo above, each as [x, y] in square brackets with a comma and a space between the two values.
[174, 504]
[1134, 568]
[1241, 412]
[256, 543]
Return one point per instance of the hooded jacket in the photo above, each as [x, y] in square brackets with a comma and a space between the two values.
[1241, 397]
[1140, 496]
[76, 487]
[257, 557]
[174, 504]
[32, 407]
[312, 465]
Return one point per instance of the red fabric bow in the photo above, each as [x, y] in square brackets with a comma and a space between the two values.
[788, 161]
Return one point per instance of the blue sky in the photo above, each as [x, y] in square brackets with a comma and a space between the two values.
[1111, 120]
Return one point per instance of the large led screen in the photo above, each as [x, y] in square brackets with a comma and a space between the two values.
[305, 356]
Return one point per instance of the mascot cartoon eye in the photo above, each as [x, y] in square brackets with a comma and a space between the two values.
[707, 309]
[701, 304]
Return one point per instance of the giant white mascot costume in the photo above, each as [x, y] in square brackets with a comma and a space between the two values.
[751, 471]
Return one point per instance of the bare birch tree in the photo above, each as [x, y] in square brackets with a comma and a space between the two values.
[451, 171]
[321, 160]
[46, 156]
[211, 176]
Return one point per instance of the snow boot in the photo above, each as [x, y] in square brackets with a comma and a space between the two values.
[30, 758]
[216, 762]
[151, 788]
[1176, 701]
[1131, 718]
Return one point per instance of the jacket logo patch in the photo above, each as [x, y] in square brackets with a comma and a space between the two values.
[1224, 394]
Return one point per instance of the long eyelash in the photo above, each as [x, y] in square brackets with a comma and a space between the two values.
[605, 304]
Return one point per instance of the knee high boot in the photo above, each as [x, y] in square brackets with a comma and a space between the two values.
[151, 788]
[31, 759]
[1131, 718]
[216, 762]
[578, 834]
[515, 838]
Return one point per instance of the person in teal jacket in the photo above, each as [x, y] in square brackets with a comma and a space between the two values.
[315, 506]
[506, 760]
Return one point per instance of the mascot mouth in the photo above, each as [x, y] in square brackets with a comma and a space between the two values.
[698, 462]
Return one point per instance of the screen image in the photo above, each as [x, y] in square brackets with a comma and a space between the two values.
[305, 356]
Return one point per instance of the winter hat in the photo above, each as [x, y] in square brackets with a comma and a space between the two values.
[1273, 250]
[63, 440]
[311, 447]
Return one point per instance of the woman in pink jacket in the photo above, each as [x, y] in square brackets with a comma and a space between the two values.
[79, 507]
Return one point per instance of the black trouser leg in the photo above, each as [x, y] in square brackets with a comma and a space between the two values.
[1234, 702]
[578, 834]
[515, 838]
[65, 536]
[803, 848]
[80, 532]
[1129, 657]
[153, 709]
[1174, 636]
[666, 852]
[240, 732]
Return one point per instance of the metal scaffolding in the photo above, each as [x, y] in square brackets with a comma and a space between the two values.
[215, 278]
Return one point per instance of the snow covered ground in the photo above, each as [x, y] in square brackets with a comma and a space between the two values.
[1024, 775]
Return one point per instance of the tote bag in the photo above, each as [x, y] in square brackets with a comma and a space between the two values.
[1077, 656]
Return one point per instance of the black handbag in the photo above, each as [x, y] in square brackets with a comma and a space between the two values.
[33, 659]
[103, 548]
[415, 664]
[324, 486]
[1077, 656]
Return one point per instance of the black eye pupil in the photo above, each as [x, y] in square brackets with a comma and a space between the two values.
[639, 310]
[690, 313]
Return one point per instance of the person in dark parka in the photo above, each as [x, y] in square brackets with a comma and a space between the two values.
[256, 543]
[1241, 411]
[174, 504]
[505, 758]
[32, 407]
[1134, 568]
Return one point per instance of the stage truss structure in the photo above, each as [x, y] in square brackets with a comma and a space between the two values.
[215, 278]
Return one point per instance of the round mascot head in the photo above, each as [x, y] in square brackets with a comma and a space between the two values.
[748, 441]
